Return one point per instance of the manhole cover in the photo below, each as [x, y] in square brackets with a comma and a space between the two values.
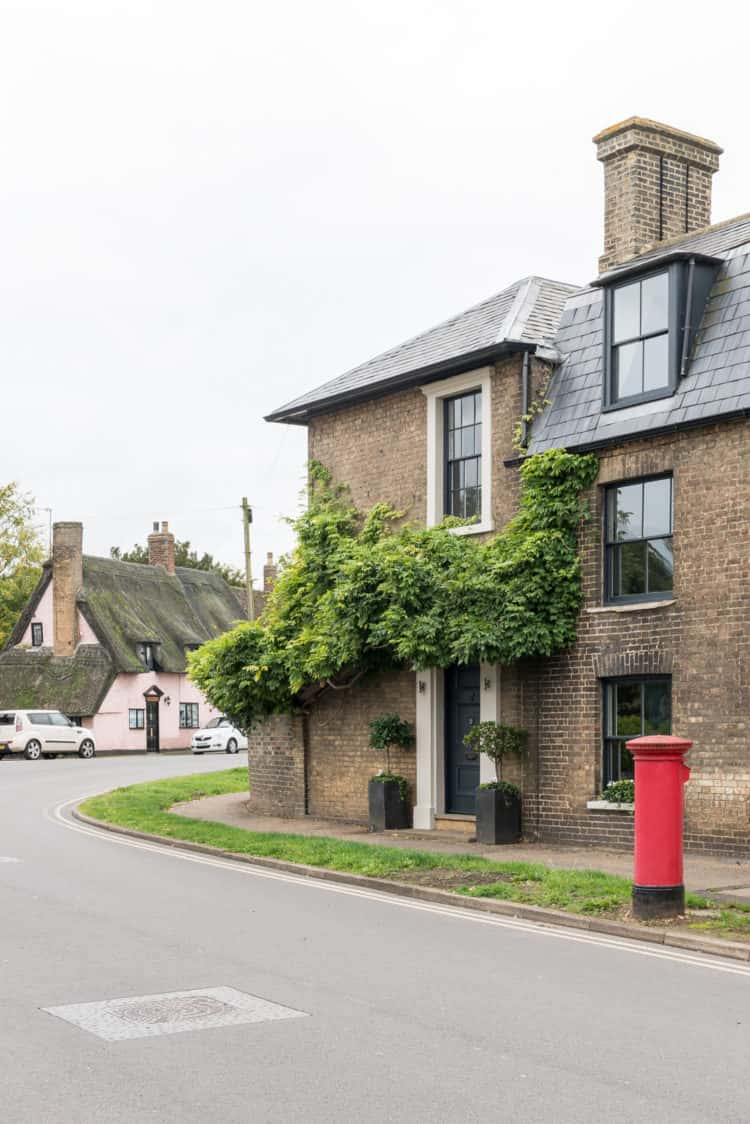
[146, 1016]
[151, 1011]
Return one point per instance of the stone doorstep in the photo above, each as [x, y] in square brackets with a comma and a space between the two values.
[733, 950]
[457, 825]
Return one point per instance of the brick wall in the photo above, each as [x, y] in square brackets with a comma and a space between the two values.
[276, 765]
[340, 760]
[702, 639]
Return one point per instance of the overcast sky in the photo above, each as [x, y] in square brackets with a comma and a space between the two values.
[208, 208]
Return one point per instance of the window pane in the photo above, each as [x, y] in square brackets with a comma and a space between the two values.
[455, 476]
[473, 502]
[467, 410]
[467, 442]
[627, 767]
[450, 407]
[627, 318]
[655, 305]
[657, 507]
[660, 565]
[628, 369]
[629, 577]
[629, 512]
[657, 707]
[472, 472]
[628, 709]
[656, 362]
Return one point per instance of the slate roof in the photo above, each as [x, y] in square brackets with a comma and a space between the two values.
[717, 383]
[525, 314]
[125, 603]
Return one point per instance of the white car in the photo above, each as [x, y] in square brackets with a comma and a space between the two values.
[43, 733]
[217, 735]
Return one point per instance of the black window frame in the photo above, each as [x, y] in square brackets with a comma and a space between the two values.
[139, 723]
[37, 630]
[193, 725]
[611, 544]
[147, 651]
[609, 739]
[448, 492]
[675, 273]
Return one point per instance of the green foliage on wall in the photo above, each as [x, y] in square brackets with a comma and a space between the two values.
[364, 593]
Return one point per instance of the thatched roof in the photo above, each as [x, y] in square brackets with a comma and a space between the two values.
[35, 678]
[125, 603]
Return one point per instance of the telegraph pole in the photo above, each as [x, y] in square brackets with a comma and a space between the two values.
[247, 518]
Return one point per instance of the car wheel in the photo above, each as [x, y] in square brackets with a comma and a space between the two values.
[86, 748]
[232, 745]
[33, 750]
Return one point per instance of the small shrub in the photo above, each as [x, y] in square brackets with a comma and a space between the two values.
[403, 784]
[509, 791]
[620, 792]
[387, 730]
[496, 742]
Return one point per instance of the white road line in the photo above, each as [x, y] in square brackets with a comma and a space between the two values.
[635, 948]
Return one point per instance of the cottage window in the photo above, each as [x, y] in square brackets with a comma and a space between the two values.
[189, 716]
[136, 719]
[459, 440]
[639, 563]
[632, 708]
[37, 634]
[147, 655]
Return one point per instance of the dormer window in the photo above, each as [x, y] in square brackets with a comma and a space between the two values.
[650, 323]
[146, 652]
[642, 352]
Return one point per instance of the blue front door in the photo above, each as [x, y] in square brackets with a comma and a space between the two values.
[461, 713]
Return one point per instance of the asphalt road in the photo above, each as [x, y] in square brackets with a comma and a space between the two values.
[412, 1013]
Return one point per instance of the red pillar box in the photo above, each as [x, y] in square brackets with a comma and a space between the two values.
[660, 773]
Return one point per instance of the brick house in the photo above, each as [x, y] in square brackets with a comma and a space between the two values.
[106, 642]
[648, 366]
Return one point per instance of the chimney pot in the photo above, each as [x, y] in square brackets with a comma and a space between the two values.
[270, 572]
[161, 547]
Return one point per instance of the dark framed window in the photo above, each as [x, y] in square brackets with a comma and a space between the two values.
[37, 634]
[638, 535]
[463, 455]
[632, 707]
[136, 719]
[147, 654]
[189, 716]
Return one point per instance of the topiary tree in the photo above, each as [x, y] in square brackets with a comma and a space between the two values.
[497, 742]
[388, 730]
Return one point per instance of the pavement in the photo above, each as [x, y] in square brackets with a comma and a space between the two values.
[725, 878]
[142, 983]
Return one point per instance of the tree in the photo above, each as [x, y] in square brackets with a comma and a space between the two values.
[365, 593]
[183, 556]
[21, 555]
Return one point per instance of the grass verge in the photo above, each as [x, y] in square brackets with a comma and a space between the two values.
[145, 807]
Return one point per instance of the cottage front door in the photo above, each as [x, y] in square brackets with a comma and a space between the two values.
[461, 713]
[152, 725]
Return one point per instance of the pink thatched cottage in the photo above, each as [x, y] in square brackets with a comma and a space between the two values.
[106, 642]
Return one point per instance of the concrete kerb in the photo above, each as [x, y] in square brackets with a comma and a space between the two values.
[733, 950]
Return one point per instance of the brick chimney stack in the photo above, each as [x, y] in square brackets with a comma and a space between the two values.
[270, 571]
[657, 186]
[161, 547]
[67, 578]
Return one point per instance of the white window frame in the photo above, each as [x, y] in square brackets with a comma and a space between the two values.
[436, 393]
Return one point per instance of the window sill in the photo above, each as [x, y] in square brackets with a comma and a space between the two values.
[608, 806]
[633, 606]
[482, 528]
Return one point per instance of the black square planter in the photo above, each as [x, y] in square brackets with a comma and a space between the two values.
[388, 811]
[498, 817]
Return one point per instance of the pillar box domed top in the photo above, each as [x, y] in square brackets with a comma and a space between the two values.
[653, 744]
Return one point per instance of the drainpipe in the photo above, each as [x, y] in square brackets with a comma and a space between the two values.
[688, 317]
[525, 399]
